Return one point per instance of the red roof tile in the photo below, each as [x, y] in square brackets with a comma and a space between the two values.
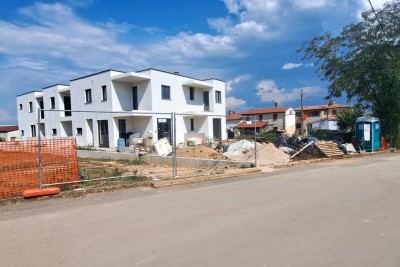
[259, 124]
[8, 128]
[233, 116]
[265, 111]
[322, 107]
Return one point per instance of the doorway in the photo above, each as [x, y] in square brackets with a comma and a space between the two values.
[164, 129]
[217, 129]
[103, 133]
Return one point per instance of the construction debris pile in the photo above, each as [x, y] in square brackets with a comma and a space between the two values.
[266, 153]
[140, 144]
[311, 147]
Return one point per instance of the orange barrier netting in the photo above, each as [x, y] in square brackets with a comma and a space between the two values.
[19, 164]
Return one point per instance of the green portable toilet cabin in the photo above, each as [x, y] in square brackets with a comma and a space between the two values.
[368, 133]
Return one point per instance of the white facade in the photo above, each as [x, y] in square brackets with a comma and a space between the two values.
[108, 105]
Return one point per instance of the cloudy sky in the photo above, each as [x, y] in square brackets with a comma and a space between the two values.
[250, 44]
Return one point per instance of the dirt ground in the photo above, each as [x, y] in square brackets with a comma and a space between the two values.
[202, 152]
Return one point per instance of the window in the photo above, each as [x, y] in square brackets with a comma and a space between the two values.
[191, 93]
[79, 131]
[260, 117]
[30, 107]
[22, 132]
[33, 130]
[298, 114]
[165, 92]
[275, 129]
[88, 95]
[54, 131]
[104, 93]
[334, 112]
[192, 125]
[52, 103]
[218, 96]
[315, 113]
[275, 117]
[20, 106]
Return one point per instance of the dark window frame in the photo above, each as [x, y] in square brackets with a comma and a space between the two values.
[54, 131]
[192, 125]
[165, 92]
[52, 102]
[104, 93]
[79, 131]
[191, 93]
[218, 96]
[30, 107]
[20, 106]
[275, 116]
[88, 96]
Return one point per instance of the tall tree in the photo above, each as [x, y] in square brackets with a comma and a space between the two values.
[364, 62]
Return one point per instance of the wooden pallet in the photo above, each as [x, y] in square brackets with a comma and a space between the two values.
[330, 149]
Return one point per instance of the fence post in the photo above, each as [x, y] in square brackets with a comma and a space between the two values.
[39, 151]
[174, 167]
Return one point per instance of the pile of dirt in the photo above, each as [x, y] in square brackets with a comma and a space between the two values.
[267, 153]
[202, 152]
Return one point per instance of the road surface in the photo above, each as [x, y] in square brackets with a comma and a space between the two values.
[338, 213]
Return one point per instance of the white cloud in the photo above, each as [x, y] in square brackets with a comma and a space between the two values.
[268, 91]
[229, 84]
[233, 103]
[28, 63]
[289, 66]
[311, 4]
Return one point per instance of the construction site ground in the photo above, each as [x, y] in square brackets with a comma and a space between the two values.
[140, 174]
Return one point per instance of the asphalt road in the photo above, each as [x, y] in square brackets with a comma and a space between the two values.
[341, 213]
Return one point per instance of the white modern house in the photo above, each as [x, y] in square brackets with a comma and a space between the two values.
[100, 108]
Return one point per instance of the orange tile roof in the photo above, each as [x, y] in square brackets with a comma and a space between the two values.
[322, 107]
[265, 111]
[259, 124]
[233, 116]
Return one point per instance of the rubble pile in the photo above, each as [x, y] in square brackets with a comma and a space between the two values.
[267, 153]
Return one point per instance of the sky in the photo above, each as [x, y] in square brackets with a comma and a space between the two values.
[250, 44]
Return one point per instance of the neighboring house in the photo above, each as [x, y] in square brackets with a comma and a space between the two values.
[320, 116]
[100, 108]
[279, 119]
[9, 133]
[232, 119]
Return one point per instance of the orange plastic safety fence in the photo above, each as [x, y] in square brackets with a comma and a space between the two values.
[19, 164]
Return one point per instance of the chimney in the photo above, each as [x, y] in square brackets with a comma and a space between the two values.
[229, 112]
[276, 104]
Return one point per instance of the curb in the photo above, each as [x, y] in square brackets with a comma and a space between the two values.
[180, 181]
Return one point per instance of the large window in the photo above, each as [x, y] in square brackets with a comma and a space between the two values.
[165, 92]
[52, 103]
[104, 93]
[191, 93]
[88, 95]
[218, 97]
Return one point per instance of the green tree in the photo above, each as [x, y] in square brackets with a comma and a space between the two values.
[346, 118]
[364, 62]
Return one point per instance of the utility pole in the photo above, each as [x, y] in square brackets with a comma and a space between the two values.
[302, 114]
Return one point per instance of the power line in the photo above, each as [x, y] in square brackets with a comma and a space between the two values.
[379, 21]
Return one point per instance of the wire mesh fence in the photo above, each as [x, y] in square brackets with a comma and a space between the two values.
[26, 164]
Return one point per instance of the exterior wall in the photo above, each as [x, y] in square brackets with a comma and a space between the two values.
[26, 118]
[83, 121]
[10, 136]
